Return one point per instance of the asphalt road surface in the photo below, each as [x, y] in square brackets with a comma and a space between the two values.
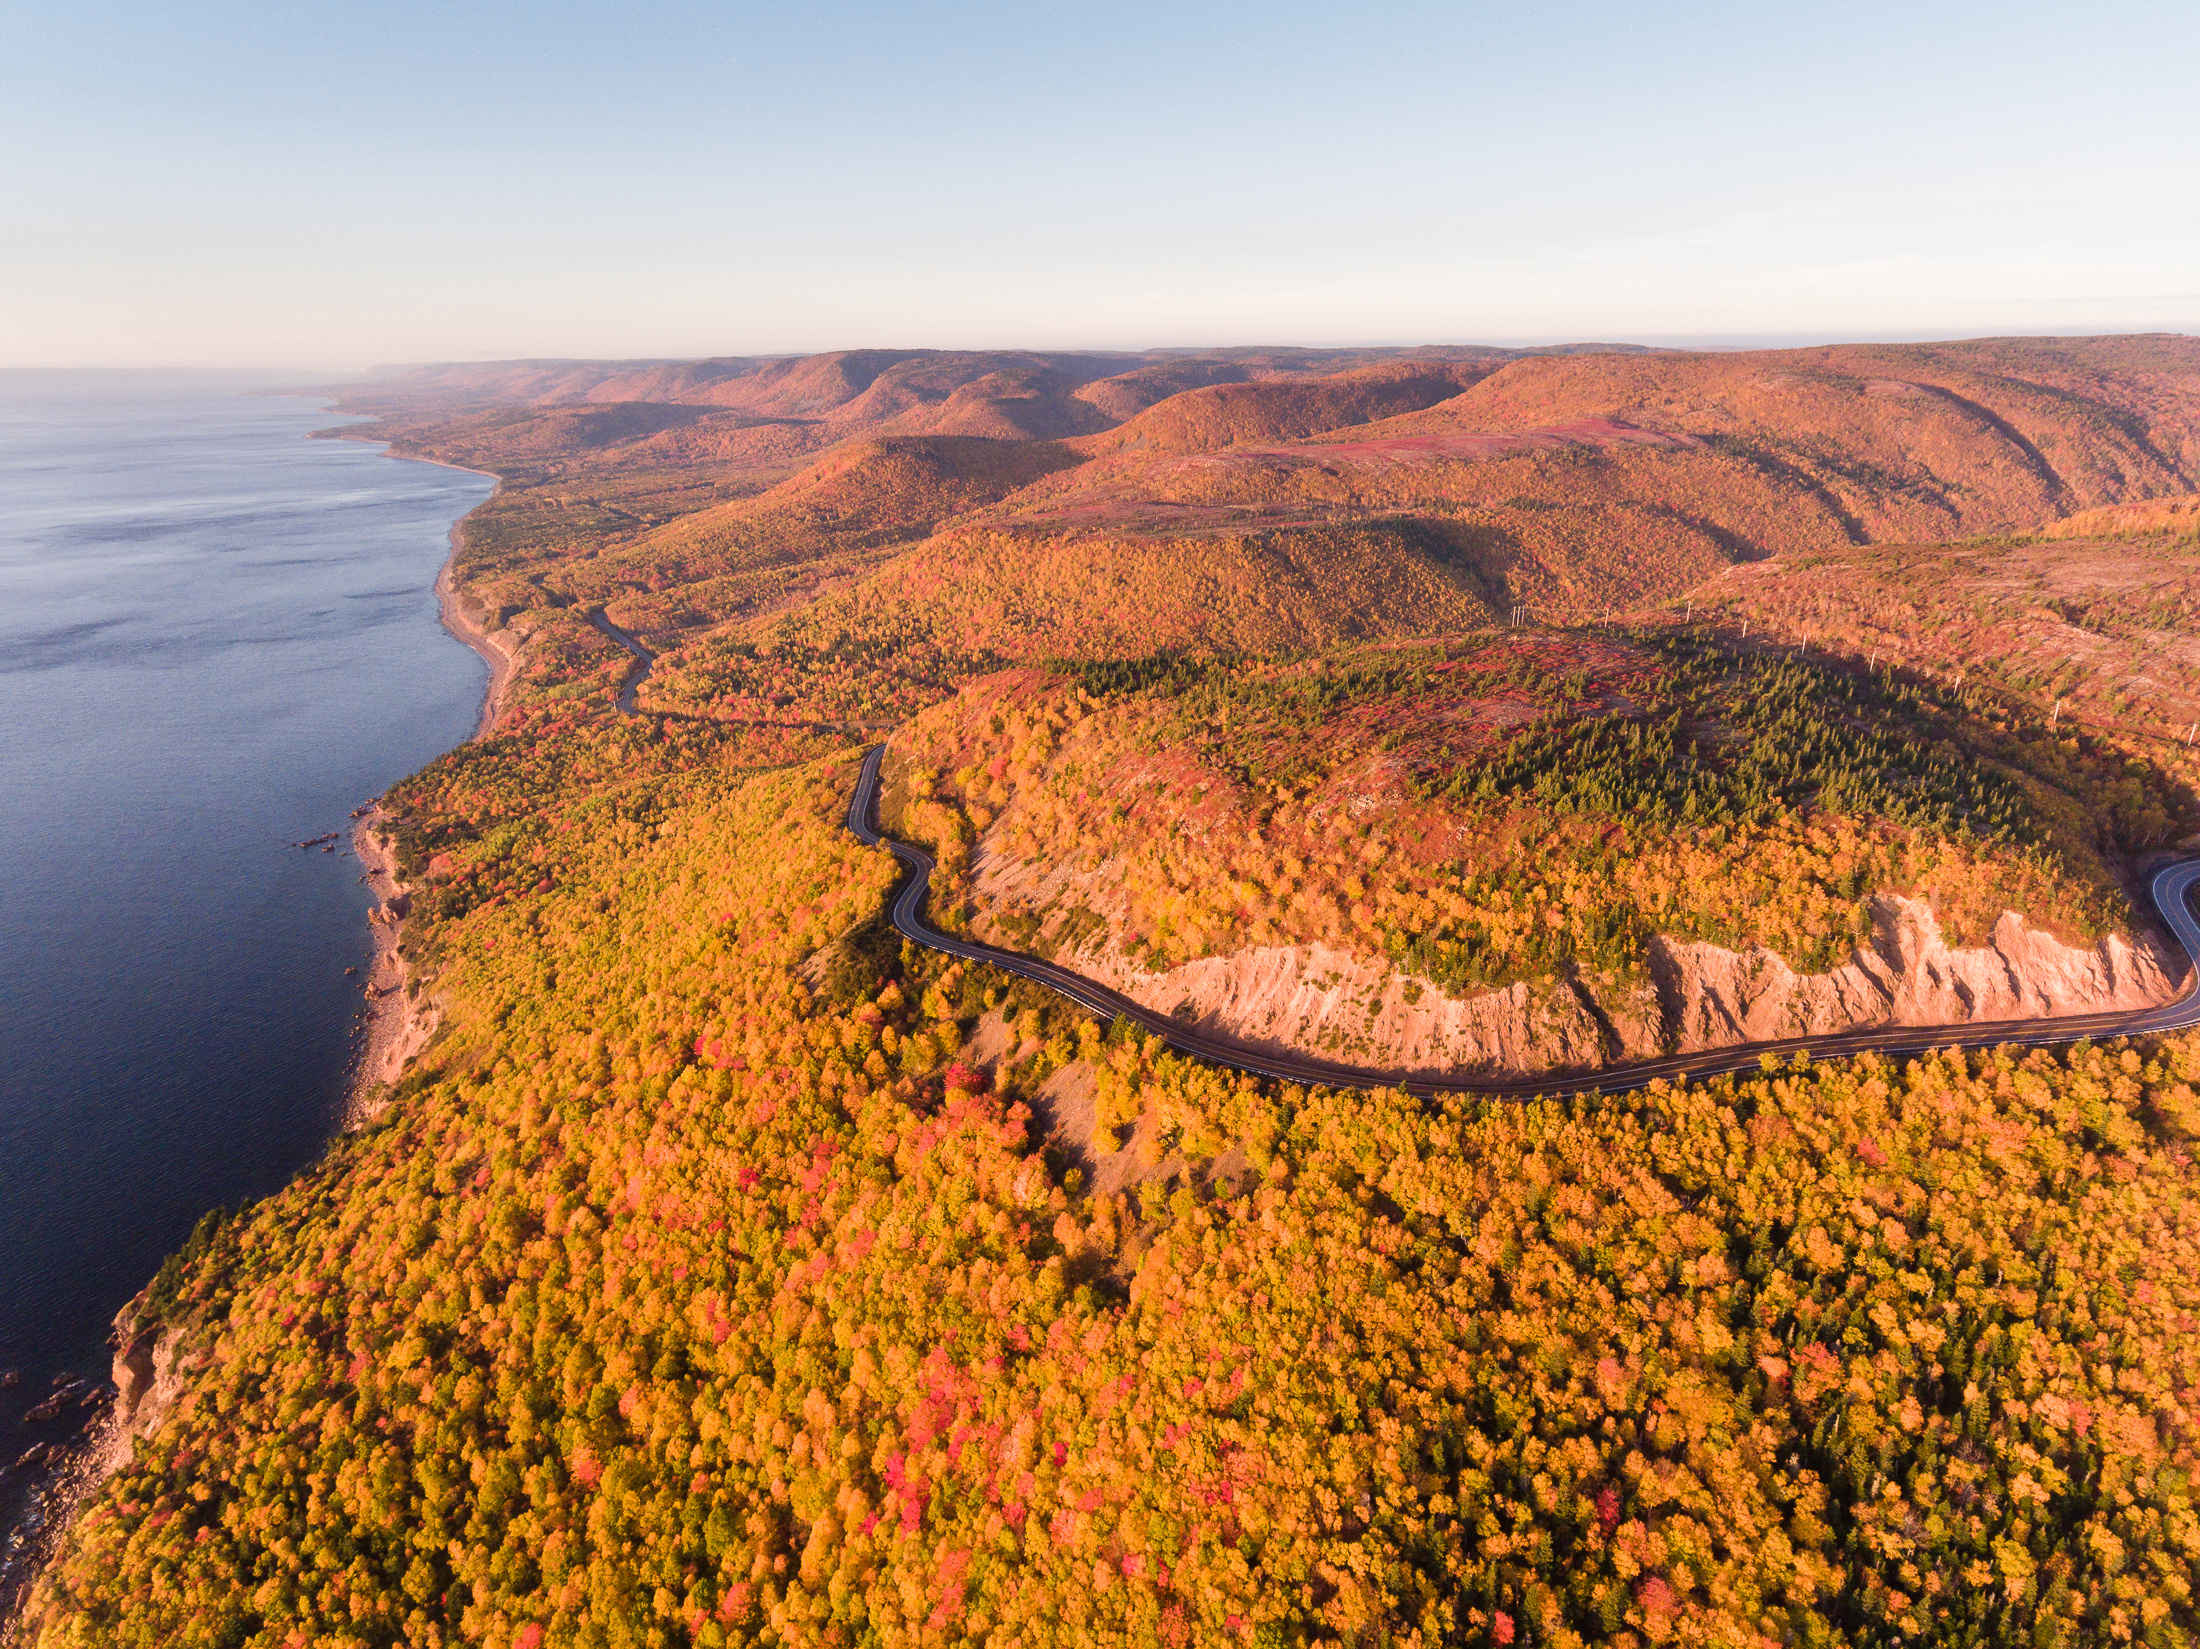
[2172, 891]
[637, 672]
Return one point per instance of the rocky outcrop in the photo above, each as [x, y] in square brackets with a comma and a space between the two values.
[1318, 1000]
[134, 1373]
[149, 1376]
[1908, 975]
[1364, 1012]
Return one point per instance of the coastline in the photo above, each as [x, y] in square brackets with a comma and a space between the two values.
[501, 664]
[399, 1021]
[148, 1373]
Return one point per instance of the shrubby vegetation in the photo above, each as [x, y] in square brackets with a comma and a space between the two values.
[794, 678]
[2090, 630]
[1744, 739]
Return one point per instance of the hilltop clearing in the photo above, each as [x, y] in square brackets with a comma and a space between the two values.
[1518, 852]
[2100, 633]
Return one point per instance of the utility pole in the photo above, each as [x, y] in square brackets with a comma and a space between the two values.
[2055, 714]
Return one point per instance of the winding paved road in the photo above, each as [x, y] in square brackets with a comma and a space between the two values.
[637, 672]
[2172, 895]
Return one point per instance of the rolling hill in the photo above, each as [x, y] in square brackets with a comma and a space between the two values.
[1524, 851]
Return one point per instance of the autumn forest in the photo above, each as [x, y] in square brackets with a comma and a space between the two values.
[730, 1270]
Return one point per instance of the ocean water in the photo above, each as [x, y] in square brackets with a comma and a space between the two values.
[217, 636]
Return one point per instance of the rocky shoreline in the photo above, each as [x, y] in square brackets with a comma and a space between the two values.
[501, 656]
[101, 1423]
[399, 1020]
[151, 1368]
[59, 1469]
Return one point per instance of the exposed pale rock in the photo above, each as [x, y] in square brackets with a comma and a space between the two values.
[1359, 1010]
[1907, 975]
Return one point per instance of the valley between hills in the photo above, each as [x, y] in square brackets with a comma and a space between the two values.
[727, 1268]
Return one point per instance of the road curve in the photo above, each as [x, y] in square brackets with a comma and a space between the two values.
[2172, 892]
[638, 672]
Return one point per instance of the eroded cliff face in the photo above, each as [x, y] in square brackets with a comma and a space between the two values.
[1908, 975]
[147, 1384]
[400, 1018]
[1363, 1012]
[152, 1370]
[1359, 1009]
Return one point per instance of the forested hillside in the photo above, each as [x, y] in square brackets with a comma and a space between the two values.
[682, 1299]
[729, 1272]
[1519, 825]
[2097, 627]
[708, 507]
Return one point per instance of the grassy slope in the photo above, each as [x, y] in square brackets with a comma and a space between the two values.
[2149, 516]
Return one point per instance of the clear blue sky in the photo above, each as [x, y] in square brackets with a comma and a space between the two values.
[333, 186]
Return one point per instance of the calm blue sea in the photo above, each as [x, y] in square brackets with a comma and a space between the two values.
[216, 636]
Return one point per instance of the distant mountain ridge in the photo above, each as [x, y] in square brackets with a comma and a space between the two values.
[1566, 483]
[809, 385]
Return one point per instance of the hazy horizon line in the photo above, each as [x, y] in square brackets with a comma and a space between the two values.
[1706, 343]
